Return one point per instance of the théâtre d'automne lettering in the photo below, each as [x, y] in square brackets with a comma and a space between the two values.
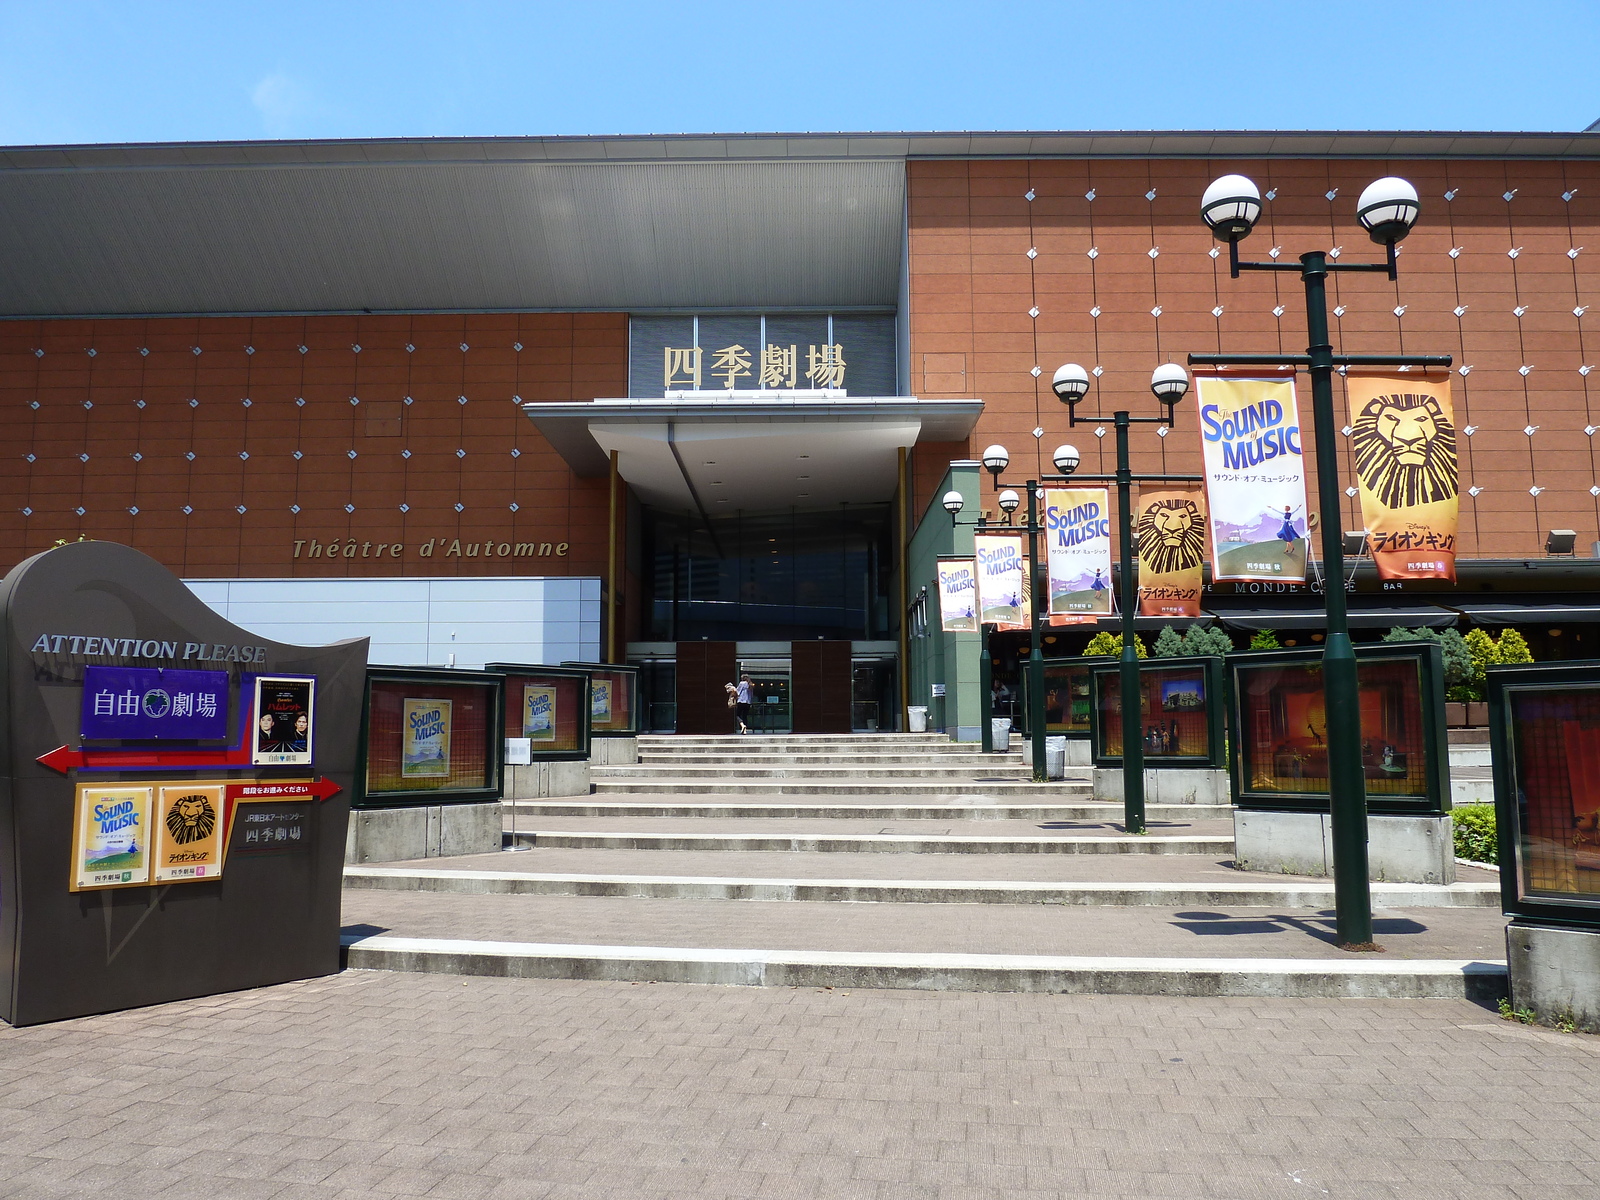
[1253, 435]
[455, 548]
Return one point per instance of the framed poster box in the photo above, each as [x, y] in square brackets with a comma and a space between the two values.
[550, 707]
[431, 736]
[1180, 711]
[1067, 702]
[613, 698]
[1279, 758]
[1544, 737]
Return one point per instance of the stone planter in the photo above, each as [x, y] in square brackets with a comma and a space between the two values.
[1477, 714]
[1455, 714]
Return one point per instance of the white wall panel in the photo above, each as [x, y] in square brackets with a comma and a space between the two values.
[411, 621]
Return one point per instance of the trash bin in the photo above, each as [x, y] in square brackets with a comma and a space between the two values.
[917, 714]
[1000, 733]
[1055, 758]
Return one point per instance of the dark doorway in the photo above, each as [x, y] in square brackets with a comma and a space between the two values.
[704, 668]
[821, 698]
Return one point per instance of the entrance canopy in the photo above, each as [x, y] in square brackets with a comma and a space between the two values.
[725, 452]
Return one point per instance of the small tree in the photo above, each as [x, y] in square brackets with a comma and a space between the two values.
[1200, 640]
[1399, 634]
[1109, 643]
[1484, 655]
[1265, 639]
[1170, 644]
[1513, 648]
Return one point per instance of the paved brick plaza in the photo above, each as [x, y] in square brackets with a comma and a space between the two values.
[375, 1084]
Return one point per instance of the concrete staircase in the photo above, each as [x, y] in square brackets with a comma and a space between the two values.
[889, 860]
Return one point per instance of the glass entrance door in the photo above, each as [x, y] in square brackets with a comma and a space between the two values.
[769, 696]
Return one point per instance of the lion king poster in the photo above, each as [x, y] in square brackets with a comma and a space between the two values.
[1078, 536]
[1255, 478]
[1403, 440]
[188, 832]
[1170, 530]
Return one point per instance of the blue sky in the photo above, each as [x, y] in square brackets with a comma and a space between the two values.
[139, 71]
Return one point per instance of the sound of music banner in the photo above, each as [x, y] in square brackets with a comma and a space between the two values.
[1255, 478]
[1078, 540]
[958, 595]
[1002, 565]
[1170, 529]
[1403, 439]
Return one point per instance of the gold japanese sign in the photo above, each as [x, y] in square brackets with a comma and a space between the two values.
[779, 367]
[1170, 530]
[1403, 438]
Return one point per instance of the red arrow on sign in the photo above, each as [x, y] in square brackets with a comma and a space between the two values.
[64, 759]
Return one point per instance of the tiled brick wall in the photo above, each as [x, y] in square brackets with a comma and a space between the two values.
[226, 390]
[972, 284]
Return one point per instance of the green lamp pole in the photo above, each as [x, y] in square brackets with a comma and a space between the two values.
[1387, 210]
[1170, 383]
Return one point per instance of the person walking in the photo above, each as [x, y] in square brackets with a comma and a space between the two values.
[742, 705]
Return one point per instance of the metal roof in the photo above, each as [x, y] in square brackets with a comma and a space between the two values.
[629, 223]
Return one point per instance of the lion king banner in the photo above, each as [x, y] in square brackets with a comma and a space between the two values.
[1170, 530]
[1255, 478]
[1077, 525]
[1403, 439]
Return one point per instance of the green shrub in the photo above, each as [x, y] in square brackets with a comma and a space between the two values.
[1200, 640]
[1106, 642]
[1265, 640]
[1169, 644]
[1475, 835]
[1513, 648]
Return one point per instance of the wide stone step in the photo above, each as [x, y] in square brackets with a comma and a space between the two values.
[1344, 977]
[595, 807]
[747, 786]
[947, 761]
[1244, 892]
[880, 740]
[862, 843]
[758, 771]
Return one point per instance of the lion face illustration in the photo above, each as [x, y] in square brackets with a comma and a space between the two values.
[1172, 536]
[1405, 450]
[191, 819]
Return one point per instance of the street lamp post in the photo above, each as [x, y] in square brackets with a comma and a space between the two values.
[1170, 383]
[1387, 209]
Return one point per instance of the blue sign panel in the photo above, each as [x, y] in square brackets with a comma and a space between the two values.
[153, 702]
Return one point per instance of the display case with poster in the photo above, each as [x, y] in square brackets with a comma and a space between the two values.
[1180, 712]
[1066, 694]
[1279, 719]
[432, 736]
[1544, 731]
[549, 706]
[613, 698]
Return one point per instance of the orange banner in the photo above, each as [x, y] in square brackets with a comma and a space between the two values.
[1170, 528]
[1403, 438]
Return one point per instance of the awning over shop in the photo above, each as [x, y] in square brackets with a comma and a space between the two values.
[1257, 619]
[1488, 613]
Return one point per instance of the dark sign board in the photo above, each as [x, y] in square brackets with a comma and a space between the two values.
[1279, 722]
[119, 881]
[432, 735]
[1180, 712]
[1544, 729]
[549, 708]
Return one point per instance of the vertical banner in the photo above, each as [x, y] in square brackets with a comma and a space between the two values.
[958, 595]
[1002, 563]
[1403, 438]
[1255, 478]
[1170, 530]
[1078, 534]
